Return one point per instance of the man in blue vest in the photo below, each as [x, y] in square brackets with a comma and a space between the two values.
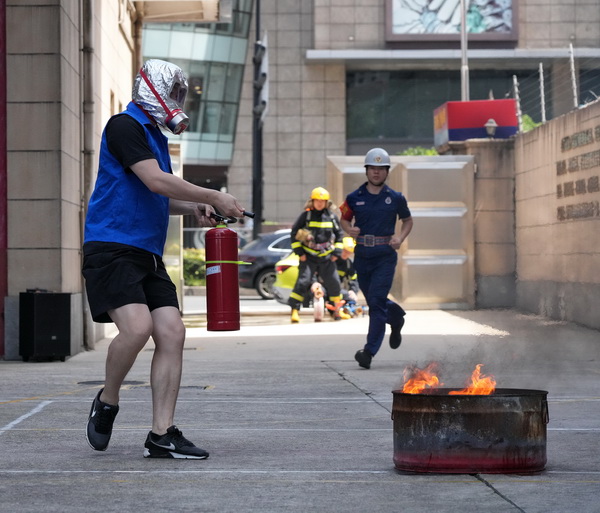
[125, 232]
[370, 215]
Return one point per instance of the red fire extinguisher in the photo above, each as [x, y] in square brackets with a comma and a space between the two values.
[222, 283]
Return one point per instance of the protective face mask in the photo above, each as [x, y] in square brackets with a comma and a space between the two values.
[160, 88]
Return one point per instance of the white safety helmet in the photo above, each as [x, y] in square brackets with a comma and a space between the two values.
[160, 89]
[377, 157]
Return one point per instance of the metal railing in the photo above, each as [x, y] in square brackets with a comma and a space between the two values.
[540, 98]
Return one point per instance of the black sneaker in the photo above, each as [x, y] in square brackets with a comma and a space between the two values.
[172, 445]
[100, 423]
[363, 357]
[396, 336]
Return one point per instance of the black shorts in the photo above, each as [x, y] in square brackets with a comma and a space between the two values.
[117, 275]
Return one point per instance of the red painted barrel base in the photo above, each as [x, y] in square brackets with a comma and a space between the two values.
[500, 433]
[468, 464]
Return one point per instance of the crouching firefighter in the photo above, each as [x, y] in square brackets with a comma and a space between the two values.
[317, 240]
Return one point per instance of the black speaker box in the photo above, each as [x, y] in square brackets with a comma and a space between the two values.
[44, 325]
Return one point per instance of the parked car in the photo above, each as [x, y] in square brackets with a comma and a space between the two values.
[286, 274]
[262, 253]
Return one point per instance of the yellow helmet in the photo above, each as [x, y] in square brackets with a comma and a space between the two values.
[319, 194]
[348, 244]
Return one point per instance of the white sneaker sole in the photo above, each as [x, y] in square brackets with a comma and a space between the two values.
[173, 455]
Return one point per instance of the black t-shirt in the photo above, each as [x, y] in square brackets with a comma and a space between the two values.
[126, 140]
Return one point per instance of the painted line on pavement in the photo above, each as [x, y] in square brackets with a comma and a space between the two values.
[222, 430]
[303, 400]
[170, 471]
[35, 410]
[265, 471]
[574, 429]
[263, 428]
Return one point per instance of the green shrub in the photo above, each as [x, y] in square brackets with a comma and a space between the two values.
[528, 123]
[419, 150]
[194, 267]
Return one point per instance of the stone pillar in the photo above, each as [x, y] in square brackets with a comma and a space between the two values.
[495, 251]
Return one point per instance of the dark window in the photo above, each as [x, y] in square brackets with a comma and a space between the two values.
[589, 85]
[398, 106]
[283, 243]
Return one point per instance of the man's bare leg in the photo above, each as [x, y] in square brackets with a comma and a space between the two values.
[165, 376]
[134, 323]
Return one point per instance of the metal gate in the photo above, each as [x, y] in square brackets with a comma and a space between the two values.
[436, 268]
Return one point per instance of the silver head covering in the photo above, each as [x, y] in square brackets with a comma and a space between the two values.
[160, 89]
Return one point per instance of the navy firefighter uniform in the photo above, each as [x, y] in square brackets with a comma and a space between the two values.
[374, 259]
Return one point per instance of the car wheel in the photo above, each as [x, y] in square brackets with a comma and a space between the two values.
[264, 283]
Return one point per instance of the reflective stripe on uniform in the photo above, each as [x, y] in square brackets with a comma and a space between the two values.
[297, 297]
[320, 224]
[317, 253]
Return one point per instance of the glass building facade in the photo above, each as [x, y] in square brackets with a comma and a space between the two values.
[213, 56]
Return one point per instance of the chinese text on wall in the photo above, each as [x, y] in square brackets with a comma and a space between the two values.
[578, 187]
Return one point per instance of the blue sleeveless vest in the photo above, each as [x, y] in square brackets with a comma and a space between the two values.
[122, 209]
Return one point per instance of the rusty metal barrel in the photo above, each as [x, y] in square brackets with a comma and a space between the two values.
[504, 432]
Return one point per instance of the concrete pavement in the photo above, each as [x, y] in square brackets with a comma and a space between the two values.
[294, 425]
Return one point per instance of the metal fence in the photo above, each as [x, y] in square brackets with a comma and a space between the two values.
[539, 98]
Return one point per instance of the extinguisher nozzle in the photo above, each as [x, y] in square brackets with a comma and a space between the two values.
[222, 219]
[230, 220]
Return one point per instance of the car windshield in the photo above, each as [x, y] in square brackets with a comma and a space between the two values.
[252, 244]
[272, 240]
[283, 243]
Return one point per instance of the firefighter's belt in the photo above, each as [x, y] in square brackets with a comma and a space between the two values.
[370, 240]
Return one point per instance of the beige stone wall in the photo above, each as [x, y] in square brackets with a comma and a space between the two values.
[494, 220]
[45, 174]
[48, 180]
[115, 61]
[549, 24]
[557, 173]
[43, 154]
[537, 218]
[347, 24]
[52, 149]
[306, 118]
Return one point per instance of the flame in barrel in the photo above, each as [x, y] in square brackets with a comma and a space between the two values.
[480, 384]
[416, 380]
